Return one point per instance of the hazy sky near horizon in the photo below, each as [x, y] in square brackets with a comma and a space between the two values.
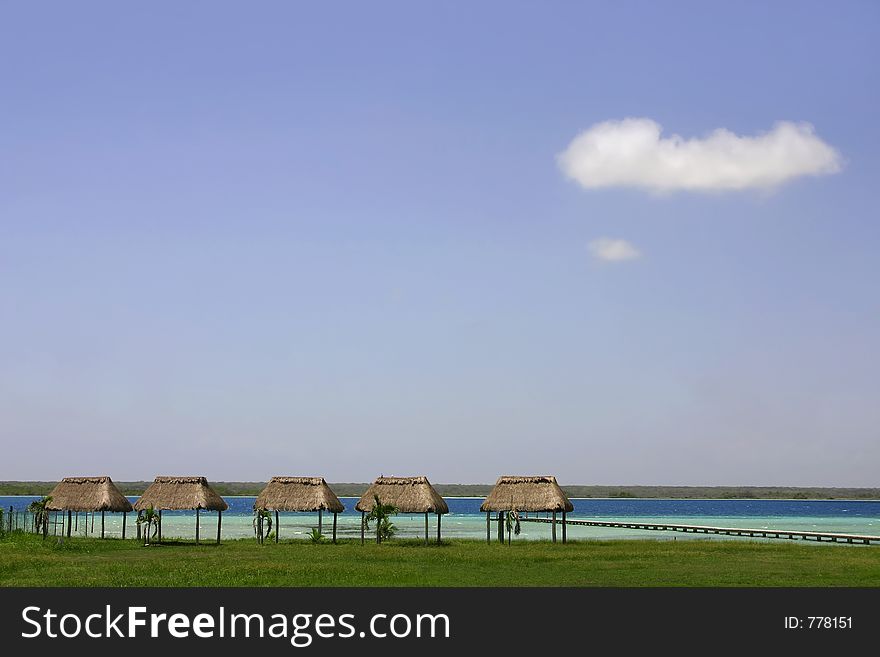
[452, 239]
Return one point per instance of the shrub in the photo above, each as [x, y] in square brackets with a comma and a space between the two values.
[382, 514]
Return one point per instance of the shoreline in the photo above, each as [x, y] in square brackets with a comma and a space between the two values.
[12, 488]
[612, 498]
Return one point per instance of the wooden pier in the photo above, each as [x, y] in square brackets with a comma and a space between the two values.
[820, 537]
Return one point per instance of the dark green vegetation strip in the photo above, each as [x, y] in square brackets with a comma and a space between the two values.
[25, 560]
[481, 490]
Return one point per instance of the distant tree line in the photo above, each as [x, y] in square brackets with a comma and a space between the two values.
[481, 490]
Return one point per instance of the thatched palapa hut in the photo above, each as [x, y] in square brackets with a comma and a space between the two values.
[408, 494]
[90, 495]
[182, 494]
[299, 494]
[529, 494]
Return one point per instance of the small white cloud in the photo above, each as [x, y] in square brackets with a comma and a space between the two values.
[632, 153]
[609, 249]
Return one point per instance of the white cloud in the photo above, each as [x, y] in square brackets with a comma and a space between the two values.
[631, 153]
[609, 249]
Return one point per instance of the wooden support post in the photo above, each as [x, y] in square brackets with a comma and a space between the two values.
[124, 516]
[76, 520]
[277, 526]
[160, 526]
[219, 524]
[54, 523]
[320, 522]
[554, 526]
[93, 522]
[334, 526]
[138, 524]
[68, 523]
[501, 527]
[563, 528]
[426, 527]
[438, 528]
[363, 522]
[197, 525]
[102, 524]
[488, 527]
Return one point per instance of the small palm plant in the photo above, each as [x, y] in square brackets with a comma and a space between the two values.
[262, 524]
[41, 515]
[316, 536]
[512, 522]
[382, 514]
[149, 518]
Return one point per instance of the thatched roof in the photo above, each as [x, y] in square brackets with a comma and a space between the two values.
[180, 494]
[526, 494]
[298, 494]
[87, 494]
[408, 494]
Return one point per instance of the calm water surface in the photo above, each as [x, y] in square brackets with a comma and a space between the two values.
[465, 520]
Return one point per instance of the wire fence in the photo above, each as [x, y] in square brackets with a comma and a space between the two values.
[81, 523]
[22, 520]
[13, 520]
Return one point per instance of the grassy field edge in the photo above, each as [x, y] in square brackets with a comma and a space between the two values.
[27, 561]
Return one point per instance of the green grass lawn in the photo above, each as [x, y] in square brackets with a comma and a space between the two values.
[26, 560]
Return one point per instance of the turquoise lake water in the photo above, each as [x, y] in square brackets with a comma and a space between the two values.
[466, 521]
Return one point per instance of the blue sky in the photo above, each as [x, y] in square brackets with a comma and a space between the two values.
[242, 241]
